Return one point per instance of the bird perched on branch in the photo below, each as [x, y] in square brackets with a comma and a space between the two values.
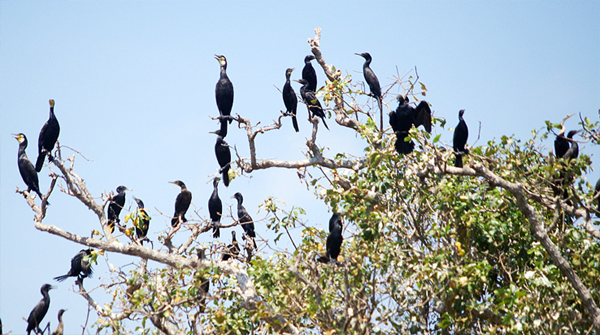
[115, 206]
[60, 329]
[143, 223]
[244, 218]
[39, 311]
[461, 134]
[80, 267]
[182, 203]
[289, 98]
[224, 158]
[309, 74]
[215, 208]
[224, 94]
[232, 250]
[26, 169]
[311, 101]
[404, 118]
[334, 239]
[48, 136]
[573, 151]
[372, 81]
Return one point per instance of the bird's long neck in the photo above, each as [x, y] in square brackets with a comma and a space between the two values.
[367, 63]
[22, 147]
[224, 72]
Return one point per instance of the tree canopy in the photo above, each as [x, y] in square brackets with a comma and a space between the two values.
[428, 247]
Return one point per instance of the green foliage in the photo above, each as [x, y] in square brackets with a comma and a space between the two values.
[422, 252]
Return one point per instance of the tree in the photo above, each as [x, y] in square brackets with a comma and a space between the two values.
[429, 247]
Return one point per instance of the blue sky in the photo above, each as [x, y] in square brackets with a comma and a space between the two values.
[134, 88]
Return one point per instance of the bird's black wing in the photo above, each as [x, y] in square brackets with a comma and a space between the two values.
[423, 116]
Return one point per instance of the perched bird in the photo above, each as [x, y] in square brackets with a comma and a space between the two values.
[561, 144]
[224, 90]
[232, 250]
[560, 184]
[309, 74]
[182, 203]
[372, 81]
[244, 218]
[26, 169]
[290, 99]
[311, 101]
[334, 239]
[335, 219]
[573, 151]
[224, 158]
[404, 118]
[48, 137]
[39, 311]
[461, 134]
[60, 329]
[215, 208]
[141, 230]
[115, 206]
[80, 267]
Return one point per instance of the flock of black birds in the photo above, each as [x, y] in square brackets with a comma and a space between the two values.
[401, 120]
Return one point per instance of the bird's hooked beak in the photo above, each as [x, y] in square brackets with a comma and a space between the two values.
[359, 54]
[172, 182]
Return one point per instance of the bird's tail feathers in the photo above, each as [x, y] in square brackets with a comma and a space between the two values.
[40, 161]
[459, 160]
[403, 147]
[226, 175]
[216, 230]
[324, 123]
[61, 278]
[295, 123]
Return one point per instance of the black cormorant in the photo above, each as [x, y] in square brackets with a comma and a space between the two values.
[335, 219]
[233, 249]
[143, 224]
[39, 311]
[80, 267]
[334, 239]
[290, 99]
[115, 206]
[461, 134]
[244, 218]
[372, 81]
[561, 144]
[26, 169]
[60, 329]
[311, 101]
[224, 90]
[404, 118]
[309, 73]
[224, 158]
[48, 137]
[182, 203]
[215, 208]
[573, 151]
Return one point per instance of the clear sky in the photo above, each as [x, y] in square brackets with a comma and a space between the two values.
[134, 87]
